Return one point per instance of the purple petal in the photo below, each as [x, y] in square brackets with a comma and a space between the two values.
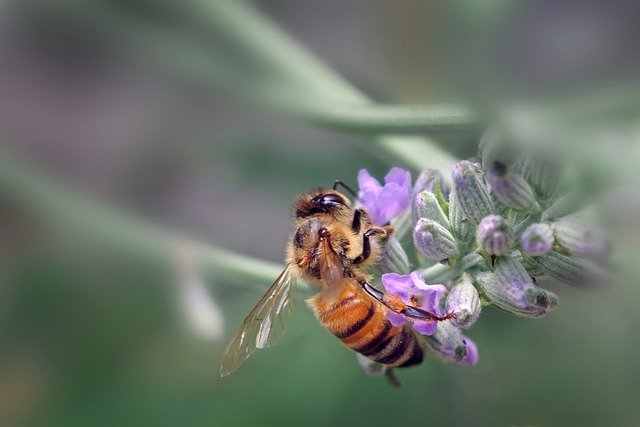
[391, 200]
[396, 319]
[472, 352]
[399, 176]
[398, 284]
[367, 183]
[425, 328]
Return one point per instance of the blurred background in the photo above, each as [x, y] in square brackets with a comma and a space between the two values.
[122, 120]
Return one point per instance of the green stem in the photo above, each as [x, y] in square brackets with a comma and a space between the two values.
[304, 87]
[81, 215]
[442, 272]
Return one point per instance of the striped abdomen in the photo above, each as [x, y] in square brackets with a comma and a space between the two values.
[361, 323]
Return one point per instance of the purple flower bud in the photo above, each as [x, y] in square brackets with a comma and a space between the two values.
[413, 291]
[569, 269]
[511, 189]
[512, 289]
[580, 239]
[394, 258]
[427, 206]
[384, 202]
[433, 240]
[494, 235]
[449, 344]
[464, 302]
[537, 239]
[471, 190]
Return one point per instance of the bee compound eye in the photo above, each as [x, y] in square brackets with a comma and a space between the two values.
[330, 198]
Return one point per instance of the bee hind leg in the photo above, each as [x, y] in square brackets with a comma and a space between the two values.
[392, 378]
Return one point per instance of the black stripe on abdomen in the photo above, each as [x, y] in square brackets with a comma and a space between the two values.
[355, 327]
[394, 348]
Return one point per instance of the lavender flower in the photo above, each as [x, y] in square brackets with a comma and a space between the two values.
[494, 235]
[412, 290]
[537, 239]
[385, 202]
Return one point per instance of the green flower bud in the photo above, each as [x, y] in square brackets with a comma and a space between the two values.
[512, 289]
[448, 344]
[463, 228]
[394, 258]
[471, 190]
[464, 302]
[511, 189]
[580, 238]
[569, 269]
[433, 240]
[427, 206]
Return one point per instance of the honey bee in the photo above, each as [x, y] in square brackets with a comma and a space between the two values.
[330, 248]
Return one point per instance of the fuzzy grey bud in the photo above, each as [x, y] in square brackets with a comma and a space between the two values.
[511, 189]
[464, 302]
[580, 238]
[512, 289]
[427, 206]
[433, 240]
[537, 239]
[394, 258]
[449, 344]
[541, 172]
[569, 269]
[471, 190]
[494, 235]
[463, 228]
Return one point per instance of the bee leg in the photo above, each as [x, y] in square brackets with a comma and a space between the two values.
[346, 187]
[391, 377]
[366, 244]
[395, 304]
[356, 223]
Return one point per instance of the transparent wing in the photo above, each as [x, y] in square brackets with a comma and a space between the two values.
[264, 325]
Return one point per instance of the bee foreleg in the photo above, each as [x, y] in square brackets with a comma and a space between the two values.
[366, 244]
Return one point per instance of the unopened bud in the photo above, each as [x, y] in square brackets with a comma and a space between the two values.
[494, 235]
[569, 269]
[394, 258]
[580, 238]
[433, 240]
[463, 301]
[427, 206]
[542, 173]
[462, 226]
[471, 190]
[537, 239]
[512, 289]
[511, 189]
[449, 344]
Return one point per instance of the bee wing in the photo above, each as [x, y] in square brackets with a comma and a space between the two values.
[264, 325]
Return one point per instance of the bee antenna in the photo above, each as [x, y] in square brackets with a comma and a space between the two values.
[346, 187]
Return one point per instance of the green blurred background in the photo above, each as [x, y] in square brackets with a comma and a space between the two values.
[104, 99]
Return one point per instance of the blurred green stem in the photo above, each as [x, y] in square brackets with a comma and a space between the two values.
[79, 214]
[298, 83]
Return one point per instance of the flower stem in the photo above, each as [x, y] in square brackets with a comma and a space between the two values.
[443, 272]
[107, 226]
